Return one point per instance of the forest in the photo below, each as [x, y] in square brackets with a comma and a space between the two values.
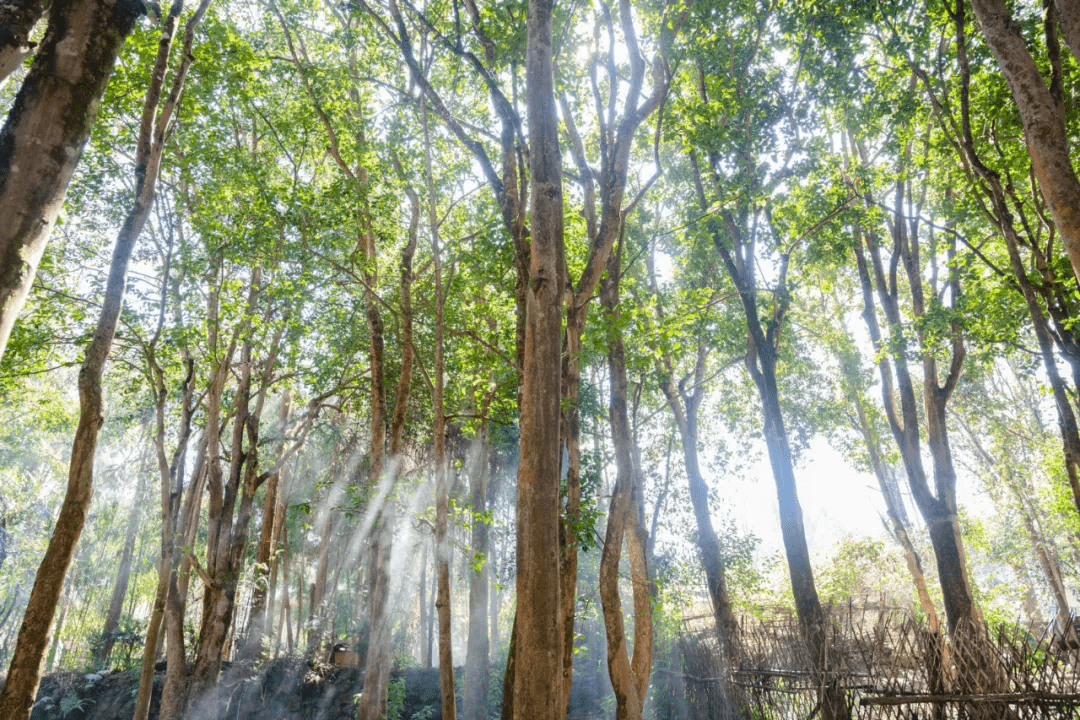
[523, 359]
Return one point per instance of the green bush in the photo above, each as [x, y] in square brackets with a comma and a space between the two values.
[395, 699]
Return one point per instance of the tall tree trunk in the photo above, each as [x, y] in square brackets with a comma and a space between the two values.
[264, 556]
[286, 604]
[433, 592]
[762, 338]
[318, 586]
[894, 510]
[277, 551]
[538, 676]
[173, 591]
[373, 702]
[571, 439]
[1042, 117]
[897, 523]
[17, 21]
[684, 408]
[939, 511]
[151, 145]
[228, 534]
[425, 645]
[192, 515]
[493, 615]
[45, 132]
[508, 180]
[377, 673]
[629, 675]
[476, 657]
[938, 506]
[116, 602]
[442, 469]
[17, 697]
[602, 225]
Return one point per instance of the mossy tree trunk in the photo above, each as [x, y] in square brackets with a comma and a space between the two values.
[43, 137]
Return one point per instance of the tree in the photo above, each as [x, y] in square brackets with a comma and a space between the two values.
[538, 689]
[626, 519]
[1046, 287]
[998, 420]
[735, 190]
[863, 419]
[17, 697]
[684, 398]
[44, 134]
[938, 506]
[1042, 116]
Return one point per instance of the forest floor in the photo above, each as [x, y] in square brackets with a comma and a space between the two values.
[282, 689]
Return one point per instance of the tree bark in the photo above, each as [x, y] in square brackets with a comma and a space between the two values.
[228, 535]
[442, 469]
[684, 408]
[17, 696]
[629, 675]
[477, 675]
[538, 686]
[1042, 117]
[45, 132]
[737, 254]
[264, 556]
[17, 21]
[277, 552]
[54, 649]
